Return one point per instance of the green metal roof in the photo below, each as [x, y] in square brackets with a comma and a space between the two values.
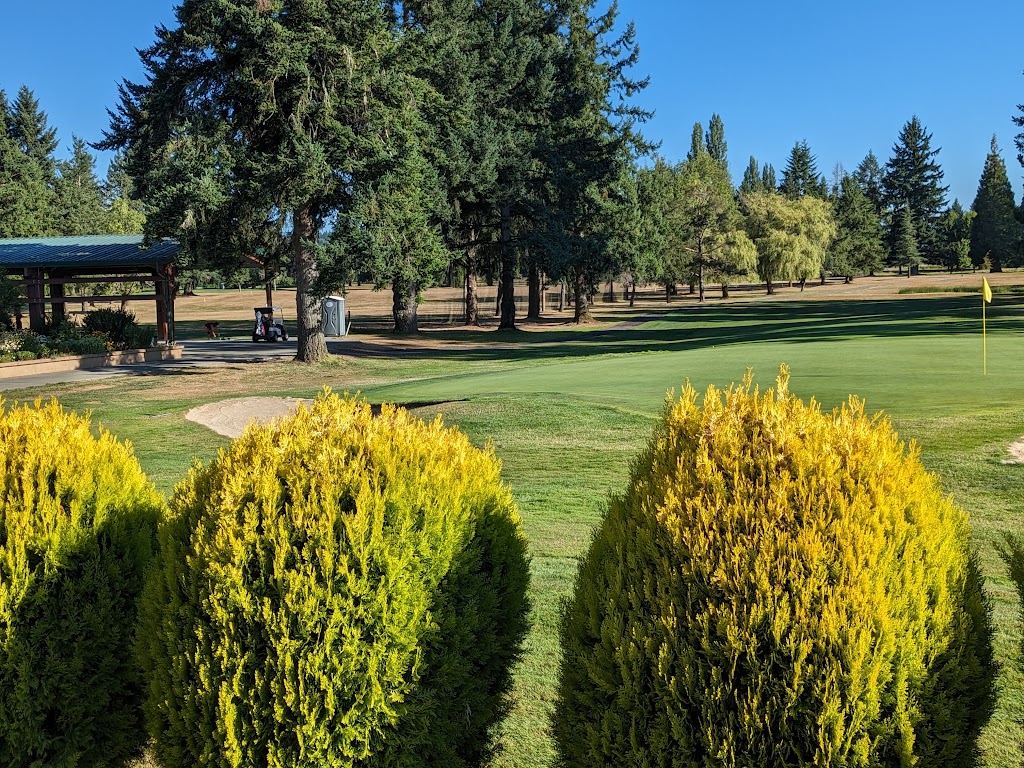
[84, 252]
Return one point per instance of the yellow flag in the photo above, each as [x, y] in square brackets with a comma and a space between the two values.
[986, 290]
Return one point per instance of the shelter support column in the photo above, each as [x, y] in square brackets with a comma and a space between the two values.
[34, 293]
[57, 292]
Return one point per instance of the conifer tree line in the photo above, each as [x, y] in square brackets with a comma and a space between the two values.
[415, 143]
[41, 196]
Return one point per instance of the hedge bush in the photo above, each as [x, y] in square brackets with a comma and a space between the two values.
[77, 530]
[336, 589]
[777, 587]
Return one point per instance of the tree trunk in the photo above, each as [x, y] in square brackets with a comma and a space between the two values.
[632, 295]
[771, 288]
[803, 282]
[472, 304]
[268, 284]
[507, 291]
[581, 291]
[308, 313]
[536, 290]
[405, 305]
[561, 295]
[700, 283]
[611, 291]
[725, 291]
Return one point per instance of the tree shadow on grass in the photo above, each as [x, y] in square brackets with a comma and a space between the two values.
[714, 326]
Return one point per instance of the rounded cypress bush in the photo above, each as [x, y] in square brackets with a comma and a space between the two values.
[78, 526]
[336, 589]
[777, 587]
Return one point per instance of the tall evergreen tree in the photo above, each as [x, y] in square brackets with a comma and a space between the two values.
[752, 181]
[230, 130]
[29, 126]
[995, 231]
[913, 179]
[768, 181]
[857, 248]
[801, 175]
[1018, 120]
[715, 142]
[78, 197]
[24, 196]
[955, 231]
[869, 177]
[904, 252]
[590, 142]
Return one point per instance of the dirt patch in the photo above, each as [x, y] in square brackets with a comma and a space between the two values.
[231, 417]
[1016, 453]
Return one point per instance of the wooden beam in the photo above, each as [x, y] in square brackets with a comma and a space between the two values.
[147, 277]
[91, 299]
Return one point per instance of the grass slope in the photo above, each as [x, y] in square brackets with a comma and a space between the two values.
[567, 411]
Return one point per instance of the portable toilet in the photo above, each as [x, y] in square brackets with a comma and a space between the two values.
[334, 315]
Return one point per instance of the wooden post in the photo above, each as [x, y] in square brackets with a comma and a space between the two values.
[57, 292]
[161, 307]
[34, 292]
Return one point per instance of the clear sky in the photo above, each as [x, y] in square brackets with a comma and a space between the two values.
[845, 77]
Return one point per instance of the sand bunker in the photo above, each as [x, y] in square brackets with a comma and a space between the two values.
[1016, 453]
[231, 417]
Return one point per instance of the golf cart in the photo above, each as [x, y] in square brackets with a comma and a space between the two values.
[269, 325]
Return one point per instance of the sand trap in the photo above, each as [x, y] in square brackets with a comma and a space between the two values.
[231, 417]
[1016, 453]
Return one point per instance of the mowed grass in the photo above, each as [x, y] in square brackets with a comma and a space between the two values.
[567, 412]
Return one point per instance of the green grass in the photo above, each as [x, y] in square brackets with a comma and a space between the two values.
[1002, 290]
[567, 411]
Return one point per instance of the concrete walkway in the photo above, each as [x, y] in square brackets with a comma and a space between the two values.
[198, 353]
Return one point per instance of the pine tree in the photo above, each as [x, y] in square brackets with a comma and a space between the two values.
[801, 176]
[857, 248]
[24, 196]
[768, 182]
[995, 231]
[234, 89]
[78, 197]
[715, 142]
[955, 232]
[869, 177]
[752, 181]
[914, 179]
[904, 250]
[589, 144]
[29, 126]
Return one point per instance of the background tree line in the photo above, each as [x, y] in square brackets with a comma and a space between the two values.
[41, 196]
[416, 142]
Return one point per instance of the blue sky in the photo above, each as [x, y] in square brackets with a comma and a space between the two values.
[845, 77]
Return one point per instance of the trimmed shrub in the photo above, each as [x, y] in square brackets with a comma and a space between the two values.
[777, 587]
[77, 530]
[119, 326]
[336, 589]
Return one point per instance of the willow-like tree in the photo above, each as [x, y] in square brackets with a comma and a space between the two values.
[791, 236]
[268, 113]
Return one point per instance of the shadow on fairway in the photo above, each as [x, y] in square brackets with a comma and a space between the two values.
[710, 326]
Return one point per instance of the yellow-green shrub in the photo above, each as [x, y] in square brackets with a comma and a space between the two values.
[77, 530]
[336, 590]
[777, 587]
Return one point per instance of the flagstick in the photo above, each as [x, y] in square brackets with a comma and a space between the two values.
[984, 338]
